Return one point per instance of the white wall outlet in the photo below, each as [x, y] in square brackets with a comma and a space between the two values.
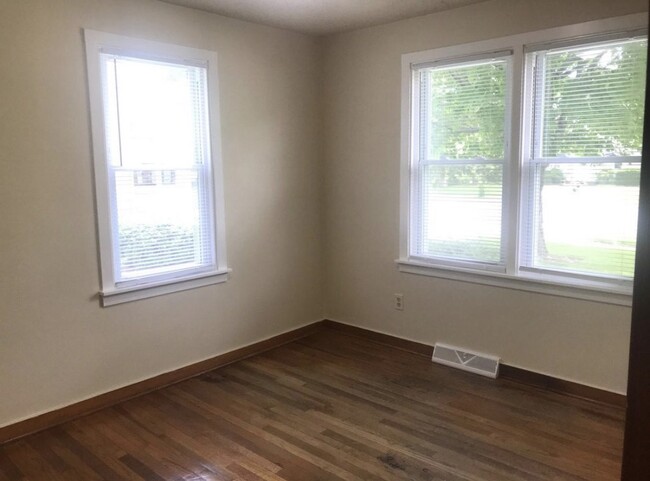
[399, 302]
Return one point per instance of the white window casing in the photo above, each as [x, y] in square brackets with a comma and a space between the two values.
[158, 167]
[517, 268]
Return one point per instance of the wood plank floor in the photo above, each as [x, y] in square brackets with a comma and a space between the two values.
[331, 407]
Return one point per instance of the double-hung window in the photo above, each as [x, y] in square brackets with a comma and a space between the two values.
[460, 161]
[582, 159]
[521, 159]
[157, 166]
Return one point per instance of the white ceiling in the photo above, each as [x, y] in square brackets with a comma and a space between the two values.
[322, 17]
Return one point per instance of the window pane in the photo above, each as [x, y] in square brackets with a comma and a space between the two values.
[158, 110]
[162, 226]
[461, 212]
[590, 100]
[585, 218]
[464, 111]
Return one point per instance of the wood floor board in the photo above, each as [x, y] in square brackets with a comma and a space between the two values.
[512, 394]
[196, 454]
[157, 453]
[409, 403]
[507, 372]
[504, 424]
[253, 429]
[244, 432]
[332, 406]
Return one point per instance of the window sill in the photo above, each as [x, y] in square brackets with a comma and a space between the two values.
[128, 294]
[589, 292]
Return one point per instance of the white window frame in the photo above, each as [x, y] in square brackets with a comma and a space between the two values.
[111, 292]
[514, 277]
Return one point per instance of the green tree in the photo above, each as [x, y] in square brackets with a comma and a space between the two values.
[594, 101]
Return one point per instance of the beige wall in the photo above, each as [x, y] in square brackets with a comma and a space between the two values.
[578, 340]
[57, 346]
[298, 223]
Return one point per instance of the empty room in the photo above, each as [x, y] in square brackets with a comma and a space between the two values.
[311, 240]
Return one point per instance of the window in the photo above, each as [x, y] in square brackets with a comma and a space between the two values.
[157, 167]
[460, 161]
[521, 160]
[584, 158]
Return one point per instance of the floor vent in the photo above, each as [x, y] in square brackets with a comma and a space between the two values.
[468, 361]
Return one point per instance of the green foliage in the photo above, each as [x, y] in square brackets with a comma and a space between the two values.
[465, 175]
[467, 112]
[594, 101]
[169, 239]
[628, 177]
[594, 105]
[553, 176]
[488, 250]
[596, 259]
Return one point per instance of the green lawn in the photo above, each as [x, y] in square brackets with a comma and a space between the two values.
[469, 190]
[600, 260]
[605, 260]
[483, 249]
[606, 253]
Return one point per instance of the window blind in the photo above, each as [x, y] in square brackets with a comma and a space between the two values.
[582, 185]
[159, 170]
[460, 165]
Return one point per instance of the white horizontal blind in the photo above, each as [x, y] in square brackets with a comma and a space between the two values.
[158, 167]
[459, 170]
[582, 182]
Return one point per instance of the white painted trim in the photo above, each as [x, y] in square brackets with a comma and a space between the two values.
[550, 285]
[144, 291]
[111, 293]
[405, 157]
[612, 291]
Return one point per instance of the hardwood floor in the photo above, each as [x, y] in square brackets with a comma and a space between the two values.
[331, 407]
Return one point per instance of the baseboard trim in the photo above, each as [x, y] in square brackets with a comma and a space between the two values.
[562, 386]
[507, 372]
[393, 341]
[88, 406]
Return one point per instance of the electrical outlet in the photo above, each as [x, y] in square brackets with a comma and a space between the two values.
[399, 302]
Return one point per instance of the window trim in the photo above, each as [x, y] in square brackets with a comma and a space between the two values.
[112, 293]
[580, 287]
